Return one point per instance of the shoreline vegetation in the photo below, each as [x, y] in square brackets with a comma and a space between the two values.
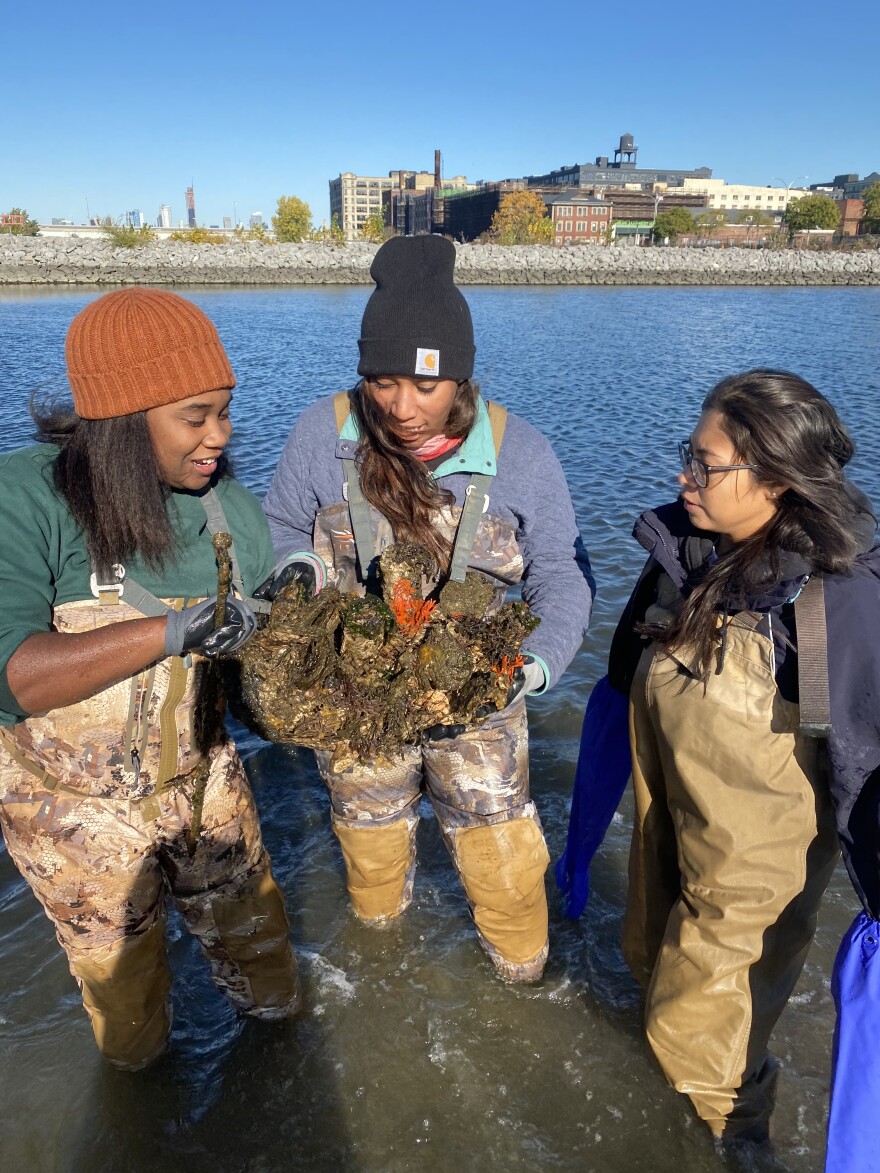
[53, 261]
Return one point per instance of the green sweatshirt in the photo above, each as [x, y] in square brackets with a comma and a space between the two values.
[44, 559]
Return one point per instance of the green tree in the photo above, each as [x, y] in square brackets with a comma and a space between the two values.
[521, 218]
[292, 220]
[673, 223]
[127, 236]
[374, 228]
[812, 211]
[28, 227]
[871, 219]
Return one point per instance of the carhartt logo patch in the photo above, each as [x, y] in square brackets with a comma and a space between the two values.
[427, 361]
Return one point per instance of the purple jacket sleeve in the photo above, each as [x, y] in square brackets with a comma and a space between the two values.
[291, 503]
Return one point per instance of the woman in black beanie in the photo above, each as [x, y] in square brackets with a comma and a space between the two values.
[397, 459]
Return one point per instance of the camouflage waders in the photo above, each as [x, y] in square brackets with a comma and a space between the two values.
[478, 785]
[733, 847]
[95, 806]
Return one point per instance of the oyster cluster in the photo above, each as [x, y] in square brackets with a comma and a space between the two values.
[363, 676]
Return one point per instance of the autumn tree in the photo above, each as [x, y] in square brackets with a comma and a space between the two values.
[521, 218]
[871, 220]
[673, 223]
[292, 220]
[374, 228]
[812, 211]
[27, 226]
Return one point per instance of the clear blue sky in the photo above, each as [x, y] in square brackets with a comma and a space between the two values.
[122, 105]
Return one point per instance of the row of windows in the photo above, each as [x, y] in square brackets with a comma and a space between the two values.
[565, 226]
[565, 210]
[779, 199]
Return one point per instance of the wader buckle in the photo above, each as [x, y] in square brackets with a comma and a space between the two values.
[109, 592]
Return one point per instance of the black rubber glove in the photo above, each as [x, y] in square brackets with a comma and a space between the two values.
[442, 732]
[301, 572]
[192, 629]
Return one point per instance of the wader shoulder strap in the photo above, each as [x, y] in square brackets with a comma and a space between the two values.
[361, 528]
[217, 524]
[476, 500]
[358, 507]
[812, 644]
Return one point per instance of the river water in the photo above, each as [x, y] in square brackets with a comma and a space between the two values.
[410, 1055]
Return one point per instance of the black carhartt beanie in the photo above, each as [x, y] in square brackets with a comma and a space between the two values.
[416, 323]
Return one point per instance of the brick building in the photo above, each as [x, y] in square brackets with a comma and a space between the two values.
[852, 212]
[578, 218]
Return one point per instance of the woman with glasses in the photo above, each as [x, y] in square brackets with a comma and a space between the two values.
[734, 840]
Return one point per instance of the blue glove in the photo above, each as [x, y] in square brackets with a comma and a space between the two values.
[192, 629]
[305, 568]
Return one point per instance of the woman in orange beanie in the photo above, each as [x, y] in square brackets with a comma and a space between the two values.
[117, 781]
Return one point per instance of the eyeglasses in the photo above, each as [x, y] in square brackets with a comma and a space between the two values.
[698, 469]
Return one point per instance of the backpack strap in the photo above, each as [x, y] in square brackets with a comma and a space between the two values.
[498, 420]
[341, 409]
[812, 641]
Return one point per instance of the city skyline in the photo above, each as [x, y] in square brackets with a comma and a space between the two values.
[248, 111]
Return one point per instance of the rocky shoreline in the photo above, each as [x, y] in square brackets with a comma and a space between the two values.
[71, 261]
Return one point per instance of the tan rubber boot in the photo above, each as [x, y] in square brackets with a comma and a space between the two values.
[502, 867]
[125, 993]
[252, 961]
[379, 865]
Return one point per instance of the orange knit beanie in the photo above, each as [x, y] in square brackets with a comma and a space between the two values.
[139, 348]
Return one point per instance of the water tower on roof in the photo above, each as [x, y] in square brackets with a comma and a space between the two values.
[626, 153]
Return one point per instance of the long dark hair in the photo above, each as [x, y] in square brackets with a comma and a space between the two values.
[108, 474]
[792, 436]
[396, 482]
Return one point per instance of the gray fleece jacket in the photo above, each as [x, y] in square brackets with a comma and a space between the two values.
[528, 531]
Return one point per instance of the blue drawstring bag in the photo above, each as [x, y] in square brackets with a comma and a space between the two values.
[603, 771]
[855, 1070]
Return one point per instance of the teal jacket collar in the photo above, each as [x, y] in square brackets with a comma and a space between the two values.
[476, 453]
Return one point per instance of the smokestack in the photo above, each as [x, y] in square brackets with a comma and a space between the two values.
[437, 169]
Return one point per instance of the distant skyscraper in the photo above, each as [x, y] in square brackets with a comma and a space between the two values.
[164, 220]
[256, 219]
[135, 219]
[227, 223]
[190, 208]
